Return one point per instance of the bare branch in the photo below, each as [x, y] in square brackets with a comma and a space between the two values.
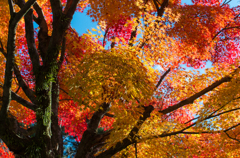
[156, 5]
[200, 132]
[182, 131]
[109, 115]
[27, 6]
[61, 22]
[135, 145]
[17, 139]
[225, 131]
[212, 116]
[97, 116]
[113, 42]
[89, 136]
[191, 99]
[32, 50]
[231, 127]
[225, 28]
[68, 5]
[2, 49]
[10, 57]
[39, 11]
[29, 93]
[17, 89]
[224, 112]
[133, 35]
[29, 29]
[225, 2]
[64, 91]
[69, 11]
[132, 136]
[160, 11]
[43, 37]
[105, 35]
[231, 137]
[178, 132]
[12, 12]
[23, 101]
[162, 78]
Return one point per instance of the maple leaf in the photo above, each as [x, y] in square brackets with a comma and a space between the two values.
[104, 89]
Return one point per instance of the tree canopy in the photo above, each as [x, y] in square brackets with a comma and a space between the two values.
[121, 89]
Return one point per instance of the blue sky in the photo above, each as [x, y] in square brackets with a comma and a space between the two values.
[81, 22]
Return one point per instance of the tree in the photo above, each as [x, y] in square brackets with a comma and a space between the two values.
[104, 90]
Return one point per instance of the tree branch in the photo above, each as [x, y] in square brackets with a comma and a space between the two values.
[12, 12]
[225, 28]
[225, 2]
[24, 102]
[43, 37]
[109, 115]
[225, 131]
[29, 93]
[10, 56]
[191, 99]
[133, 35]
[231, 127]
[26, 7]
[89, 136]
[61, 22]
[211, 115]
[162, 78]
[160, 11]
[32, 50]
[199, 132]
[132, 136]
[97, 116]
[177, 132]
[71, 7]
[231, 137]
[113, 42]
[104, 38]
[2, 49]
[29, 29]
[135, 145]
[16, 138]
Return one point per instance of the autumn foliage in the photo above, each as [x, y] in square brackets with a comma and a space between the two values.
[140, 75]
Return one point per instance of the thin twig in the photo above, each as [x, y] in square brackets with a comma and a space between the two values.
[135, 149]
[162, 78]
[104, 38]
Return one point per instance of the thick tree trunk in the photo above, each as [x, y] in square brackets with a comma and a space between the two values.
[43, 113]
[57, 140]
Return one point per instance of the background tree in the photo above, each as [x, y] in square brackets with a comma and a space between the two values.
[105, 79]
